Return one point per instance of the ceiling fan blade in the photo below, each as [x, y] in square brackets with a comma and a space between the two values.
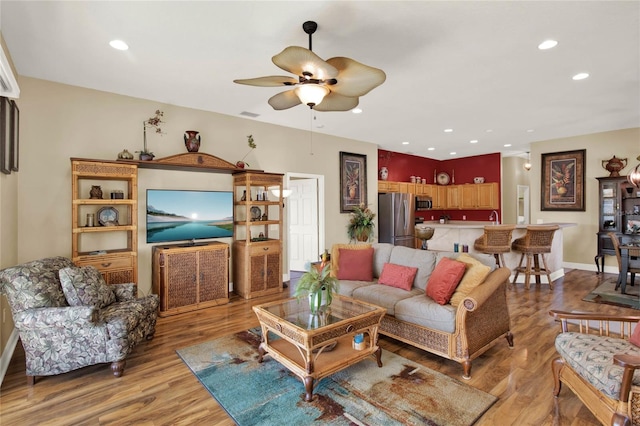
[284, 100]
[337, 102]
[354, 78]
[298, 60]
[270, 81]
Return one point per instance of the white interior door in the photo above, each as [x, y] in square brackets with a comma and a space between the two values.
[303, 223]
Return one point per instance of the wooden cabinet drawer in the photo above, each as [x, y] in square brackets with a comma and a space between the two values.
[261, 249]
[108, 262]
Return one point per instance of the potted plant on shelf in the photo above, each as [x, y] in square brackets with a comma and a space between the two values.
[318, 285]
[153, 122]
[240, 164]
[361, 224]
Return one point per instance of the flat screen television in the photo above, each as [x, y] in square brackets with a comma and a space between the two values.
[179, 215]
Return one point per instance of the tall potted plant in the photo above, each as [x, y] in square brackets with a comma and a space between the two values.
[318, 285]
[360, 227]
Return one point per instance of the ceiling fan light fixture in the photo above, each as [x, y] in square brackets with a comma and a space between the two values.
[311, 94]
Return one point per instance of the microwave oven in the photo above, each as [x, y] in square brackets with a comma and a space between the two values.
[423, 202]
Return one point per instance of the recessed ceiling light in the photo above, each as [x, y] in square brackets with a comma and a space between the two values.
[430, 149]
[453, 153]
[320, 126]
[489, 130]
[119, 44]
[529, 130]
[473, 141]
[448, 130]
[356, 110]
[580, 76]
[507, 145]
[405, 143]
[547, 44]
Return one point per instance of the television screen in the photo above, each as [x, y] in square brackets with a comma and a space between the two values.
[178, 215]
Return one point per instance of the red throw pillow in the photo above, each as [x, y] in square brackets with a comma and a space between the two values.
[356, 265]
[444, 279]
[397, 276]
[635, 336]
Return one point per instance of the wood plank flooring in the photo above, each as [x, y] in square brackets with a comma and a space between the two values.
[158, 389]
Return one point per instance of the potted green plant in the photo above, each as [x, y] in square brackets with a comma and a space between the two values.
[318, 285]
[360, 227]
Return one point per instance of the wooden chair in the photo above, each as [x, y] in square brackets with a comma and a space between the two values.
[633, 264]
[597, 362]
[535, 243]
[496, 241]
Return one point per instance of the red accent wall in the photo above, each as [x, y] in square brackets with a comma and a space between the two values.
[461, 170]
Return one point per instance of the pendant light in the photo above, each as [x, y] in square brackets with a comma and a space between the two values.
[634, 176]
[527, 165]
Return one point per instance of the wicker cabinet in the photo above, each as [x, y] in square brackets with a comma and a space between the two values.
[257, 234]
[104, 220]
[189, 277]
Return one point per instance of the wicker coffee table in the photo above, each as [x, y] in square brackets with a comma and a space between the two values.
[316, 346]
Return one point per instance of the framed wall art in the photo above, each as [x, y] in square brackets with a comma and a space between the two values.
[353, 181]
[563, 181]
[14, 146]
[5, 135]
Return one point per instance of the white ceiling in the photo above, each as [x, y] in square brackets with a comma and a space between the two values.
[469, 66]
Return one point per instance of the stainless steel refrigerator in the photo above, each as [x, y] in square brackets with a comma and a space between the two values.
[396, 219]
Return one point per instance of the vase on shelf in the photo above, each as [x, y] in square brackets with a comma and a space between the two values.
[384, 173]
[96, 192]
[192, 140]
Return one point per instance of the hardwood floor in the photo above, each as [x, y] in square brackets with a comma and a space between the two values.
[158, 389]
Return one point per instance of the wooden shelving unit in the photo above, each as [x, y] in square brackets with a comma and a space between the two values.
[257, 234]
[111, 248]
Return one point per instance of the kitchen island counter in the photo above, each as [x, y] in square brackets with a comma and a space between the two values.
[466, 232]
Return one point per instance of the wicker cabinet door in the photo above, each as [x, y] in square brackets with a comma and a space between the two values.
[181, 286]
[213, 269]
[257, 277]
[272, 271]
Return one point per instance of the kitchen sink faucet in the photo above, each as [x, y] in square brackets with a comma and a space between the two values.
[497, 218]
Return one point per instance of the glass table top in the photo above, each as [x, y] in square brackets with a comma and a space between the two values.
[297, 312]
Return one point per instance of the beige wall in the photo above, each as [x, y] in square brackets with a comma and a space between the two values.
[8, 234]
[580, 243]
[60, 121]
[513, 174]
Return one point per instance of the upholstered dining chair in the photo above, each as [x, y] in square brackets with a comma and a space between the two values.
[633, 264]
[68, 317]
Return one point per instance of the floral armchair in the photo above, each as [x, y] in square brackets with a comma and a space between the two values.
[68, 317]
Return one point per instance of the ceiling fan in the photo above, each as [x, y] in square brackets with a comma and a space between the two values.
[332, 85]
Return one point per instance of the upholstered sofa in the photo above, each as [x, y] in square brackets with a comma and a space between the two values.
[68, 317]
[460, 331]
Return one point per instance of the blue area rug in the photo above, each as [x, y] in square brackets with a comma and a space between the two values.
[400, 393]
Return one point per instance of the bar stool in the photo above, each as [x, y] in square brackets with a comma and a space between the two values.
[496, 241]
[536, 242]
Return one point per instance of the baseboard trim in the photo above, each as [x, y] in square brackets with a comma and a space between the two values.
[590, 267]
[5, 359]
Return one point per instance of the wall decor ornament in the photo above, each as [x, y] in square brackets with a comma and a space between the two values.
[152, 122]
[353, 181]
[252, 145]
[563, 181]
[614, 165]
[384, 173]
[125, 155]
[192, 140]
